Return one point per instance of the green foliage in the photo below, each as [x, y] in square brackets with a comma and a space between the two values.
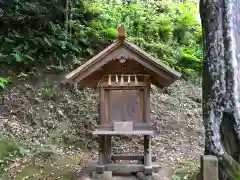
[9, 148]
[231, 166]
[34, 34]
[61, 168]
[170, 31]
[43, 34]
[3, 82]
[186, 170]
[48, 93]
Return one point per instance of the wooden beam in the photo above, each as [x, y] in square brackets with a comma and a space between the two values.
[102, 132]
[126, 85]
[102, 107]
[88, 63]
[101, 158]
[147, 150]
[108, 148]
[101, 150]
[136, 127]
[129, 168]
[138, 157]
[147, 105]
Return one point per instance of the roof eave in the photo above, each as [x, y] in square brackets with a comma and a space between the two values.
[76, 72]
[175, 74]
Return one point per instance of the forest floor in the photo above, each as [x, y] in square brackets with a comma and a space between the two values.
[54, 124]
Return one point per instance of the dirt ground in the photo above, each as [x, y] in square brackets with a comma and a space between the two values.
[59, 123]
[178, 129]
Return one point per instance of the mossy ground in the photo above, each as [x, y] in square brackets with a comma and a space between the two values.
[61, 168]
[186, 170]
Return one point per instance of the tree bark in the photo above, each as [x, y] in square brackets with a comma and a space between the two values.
[221, 83]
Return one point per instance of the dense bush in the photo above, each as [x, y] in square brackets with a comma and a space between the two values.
[168, 30]
[56, 35]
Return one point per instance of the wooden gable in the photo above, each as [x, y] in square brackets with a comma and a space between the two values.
[122, 57]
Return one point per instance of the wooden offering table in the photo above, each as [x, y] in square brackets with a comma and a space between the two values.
[123, 74]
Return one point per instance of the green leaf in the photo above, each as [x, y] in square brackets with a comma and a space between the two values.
[9, 40]
[3, 82]
[176, 177]
[22, 151]
[47, 41]
[29, 57]
[18, 57]
[90, 51]
[2, 85]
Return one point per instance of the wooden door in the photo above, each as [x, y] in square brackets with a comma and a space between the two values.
[125, 105]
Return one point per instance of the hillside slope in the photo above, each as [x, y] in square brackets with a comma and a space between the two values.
[45, 116]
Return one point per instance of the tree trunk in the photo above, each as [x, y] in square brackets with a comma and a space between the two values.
[221, 83]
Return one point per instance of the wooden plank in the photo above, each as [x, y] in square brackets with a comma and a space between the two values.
[106, 127]
[138, 157]
[88, 63]
[107, 105]
[101, 150]
[129, 168]
[124, 52]
[147, 151]
[124, 87]
[108, 148]
[124, 105]
[142, 126]
[127, 68]
[98, 64]
[136, 127]
[102, 106]
[146, 105]
[131, 105]
[153, 61]
[115, 105]
[131, 84]
[123, 126]
[141, 105]
[102, 132]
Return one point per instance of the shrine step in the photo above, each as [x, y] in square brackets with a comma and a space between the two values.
[129, 168]
[139, 157]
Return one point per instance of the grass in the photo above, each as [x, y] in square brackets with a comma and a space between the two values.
[39, 166]
[186, 170]
[61, 168]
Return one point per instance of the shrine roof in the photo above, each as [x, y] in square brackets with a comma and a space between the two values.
[162, 75]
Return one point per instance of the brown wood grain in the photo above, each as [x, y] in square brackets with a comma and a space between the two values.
[137, 61]
[115, 105]
[131, 105]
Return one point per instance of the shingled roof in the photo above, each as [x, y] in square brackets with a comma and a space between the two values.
[162, 75]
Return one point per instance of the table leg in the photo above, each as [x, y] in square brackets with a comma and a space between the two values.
[147, 155]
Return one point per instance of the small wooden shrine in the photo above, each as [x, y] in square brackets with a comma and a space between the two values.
[123, 73]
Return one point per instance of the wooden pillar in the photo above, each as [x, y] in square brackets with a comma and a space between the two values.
[102, 108]
[147, 105]
[108, 148]
[101, 157]
[147, 155]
